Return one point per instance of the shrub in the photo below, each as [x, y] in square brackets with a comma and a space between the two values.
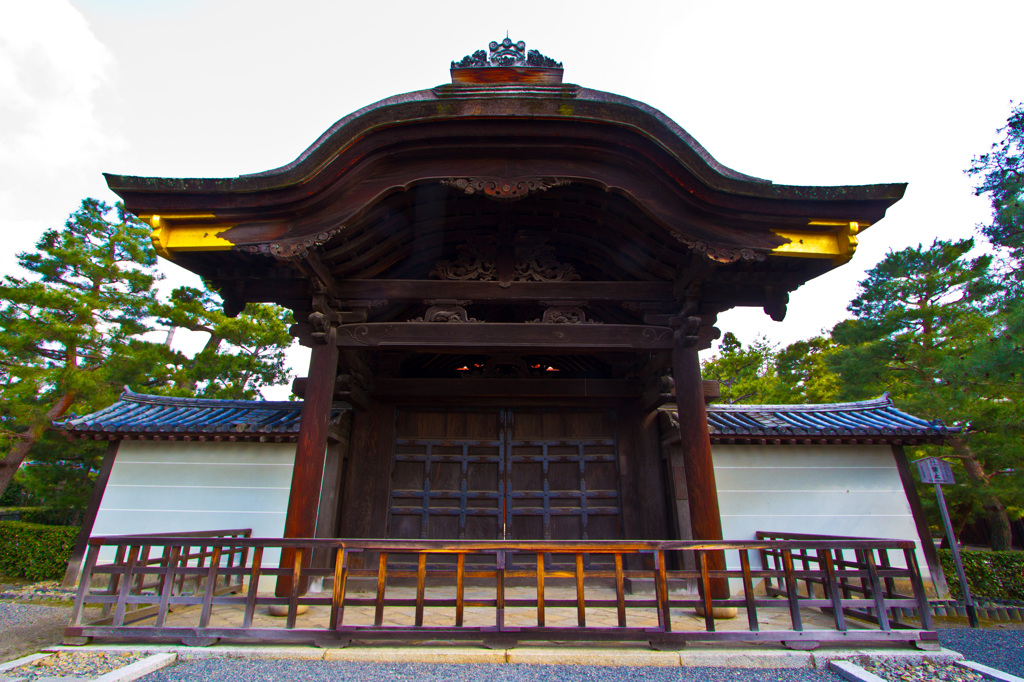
[996, 575]
[35, 552]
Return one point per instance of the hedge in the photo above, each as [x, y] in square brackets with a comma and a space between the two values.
[996, 575]
[35, 552]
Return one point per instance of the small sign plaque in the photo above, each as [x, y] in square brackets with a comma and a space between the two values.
[934, 470]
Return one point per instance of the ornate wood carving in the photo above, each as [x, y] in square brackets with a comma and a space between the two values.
[537, 263]
[446, 311]
[562, 314]
[472, 264]
[533, 263]
[504, 189]
[291, 250]
[719, 254]
[506, 53]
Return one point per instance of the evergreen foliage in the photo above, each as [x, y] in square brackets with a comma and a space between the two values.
[80, 326]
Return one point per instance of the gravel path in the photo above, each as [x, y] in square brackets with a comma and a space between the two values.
[26, 628]
[1002, 649]
[201, 670]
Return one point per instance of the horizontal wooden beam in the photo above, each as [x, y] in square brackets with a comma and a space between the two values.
[437, 337]
[509, 292]
[419, 389]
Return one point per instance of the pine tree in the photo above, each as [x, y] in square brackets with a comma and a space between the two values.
[69, 334]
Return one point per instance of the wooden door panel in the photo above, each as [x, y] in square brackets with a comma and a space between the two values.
[516, 474]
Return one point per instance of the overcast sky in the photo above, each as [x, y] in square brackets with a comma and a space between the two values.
[815, 93]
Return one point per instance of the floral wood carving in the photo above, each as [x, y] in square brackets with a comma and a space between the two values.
[506, 53]
[504, 189]
[533, 263]
[472, 264]
[565, 315]
[290, 250]
[538, 264]
[446, 312]
[719, 254]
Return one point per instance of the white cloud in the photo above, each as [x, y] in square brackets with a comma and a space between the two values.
[53, 71]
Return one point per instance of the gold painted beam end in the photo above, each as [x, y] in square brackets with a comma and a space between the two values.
[173, 233]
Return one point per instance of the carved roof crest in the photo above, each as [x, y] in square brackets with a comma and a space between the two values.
[506, 53]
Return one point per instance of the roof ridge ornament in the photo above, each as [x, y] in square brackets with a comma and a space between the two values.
[507, 62]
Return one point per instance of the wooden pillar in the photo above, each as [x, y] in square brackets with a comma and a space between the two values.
[78, 553]
[695, 443]
[921, 522]
[310, 451]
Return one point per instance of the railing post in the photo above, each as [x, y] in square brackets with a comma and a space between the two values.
[499, 617]
[581, 608]
[382, 583]
[254, 585]
[876, 589]
[167, 583]
[832, 588]
[84, 583]
[421, 576]
[211, 584]
[923, 607]
[540, 589]
[126, 586]
[338, 594]
[620, 592]
[296, 586]
[794, 598]
[460, 588]
[748, 590]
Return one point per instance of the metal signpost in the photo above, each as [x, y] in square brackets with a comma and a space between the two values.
[937, 471]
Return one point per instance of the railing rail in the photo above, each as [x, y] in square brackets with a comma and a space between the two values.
[500, 591]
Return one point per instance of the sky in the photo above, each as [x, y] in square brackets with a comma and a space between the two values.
[804, 93]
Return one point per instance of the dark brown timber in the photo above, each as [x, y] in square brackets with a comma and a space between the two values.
[702, 492]
[308, 471]
[78, 553]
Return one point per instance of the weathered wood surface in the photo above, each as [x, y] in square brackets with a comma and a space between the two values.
[798, 569]
[695, 445]
[509, 292]
[310, 452]
[467, 337]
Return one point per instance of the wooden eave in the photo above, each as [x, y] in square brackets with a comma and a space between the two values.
[585, 136]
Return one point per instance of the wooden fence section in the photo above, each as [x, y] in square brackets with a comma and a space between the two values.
[202, 588]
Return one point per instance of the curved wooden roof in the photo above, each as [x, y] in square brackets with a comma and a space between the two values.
[397, 185]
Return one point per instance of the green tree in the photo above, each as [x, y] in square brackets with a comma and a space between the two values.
[69, 334]
[241, 353]
[74, 333]
[805, 371]
[744, 374]
[922, 318]
[1000, 175]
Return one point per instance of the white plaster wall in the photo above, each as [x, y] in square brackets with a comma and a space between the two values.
[851, 490]
[165, 487]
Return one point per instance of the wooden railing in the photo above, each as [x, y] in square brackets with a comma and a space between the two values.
[501, 592]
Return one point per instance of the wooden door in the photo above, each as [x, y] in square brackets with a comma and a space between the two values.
[517, 474]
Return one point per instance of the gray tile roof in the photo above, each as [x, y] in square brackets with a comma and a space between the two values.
[151, 415]
[875, 419]
[138, 414]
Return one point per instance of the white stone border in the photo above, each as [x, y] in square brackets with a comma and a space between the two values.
[853, 672]
[990, 673]
[18, 662]
[132, 671]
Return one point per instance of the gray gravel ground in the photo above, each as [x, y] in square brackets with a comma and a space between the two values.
[26, 628]
[201, 670]
[1000, 649]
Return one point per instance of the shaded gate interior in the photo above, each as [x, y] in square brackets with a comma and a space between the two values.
[505, 474]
